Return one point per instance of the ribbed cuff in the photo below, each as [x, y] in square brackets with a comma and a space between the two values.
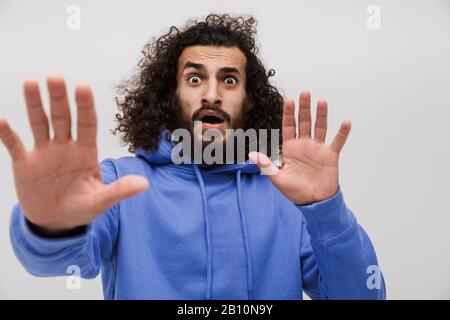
[328, 218]
[22, 231]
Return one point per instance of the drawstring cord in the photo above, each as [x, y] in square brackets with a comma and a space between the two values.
[208, 237]
[248, 256]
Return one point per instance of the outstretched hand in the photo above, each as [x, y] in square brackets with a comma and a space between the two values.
[309, 172]
[58, 183]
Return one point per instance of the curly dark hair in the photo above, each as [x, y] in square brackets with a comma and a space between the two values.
[147, 99]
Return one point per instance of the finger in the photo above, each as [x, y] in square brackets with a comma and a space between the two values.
[304, 114]
[11, 141]
[36, 115]
[288, 120]
[264, 163]
[320, 128]
[121, 189]
[341, 136]
[59, 109]
[87, 118]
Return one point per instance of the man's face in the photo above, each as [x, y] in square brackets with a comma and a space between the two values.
[211, 87]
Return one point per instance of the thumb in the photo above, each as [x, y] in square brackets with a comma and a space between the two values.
[264, 163]
[123, 188]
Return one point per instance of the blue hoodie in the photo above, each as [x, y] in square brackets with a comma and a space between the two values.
[219, 233]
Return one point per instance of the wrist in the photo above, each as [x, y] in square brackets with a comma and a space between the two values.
[317, 198]
[54, 231]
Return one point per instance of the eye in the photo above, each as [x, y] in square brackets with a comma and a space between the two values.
[230, 80]
[194, 79]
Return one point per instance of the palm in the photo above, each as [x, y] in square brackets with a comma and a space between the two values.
[59, 178]
[309, 171]
[58, 183]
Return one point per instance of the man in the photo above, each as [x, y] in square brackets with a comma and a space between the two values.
[200, 230]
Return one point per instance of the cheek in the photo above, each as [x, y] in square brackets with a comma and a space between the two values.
[237, 104]
[188, 101]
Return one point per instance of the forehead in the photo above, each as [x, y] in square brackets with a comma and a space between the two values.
[213, 57]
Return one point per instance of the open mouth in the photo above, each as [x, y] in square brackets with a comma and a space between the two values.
[211, 117]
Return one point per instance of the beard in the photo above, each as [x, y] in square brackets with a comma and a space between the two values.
[189, 122]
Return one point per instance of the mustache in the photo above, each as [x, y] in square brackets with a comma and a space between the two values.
[212, 107]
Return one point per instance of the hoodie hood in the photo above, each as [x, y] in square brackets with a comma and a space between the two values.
[164, 156]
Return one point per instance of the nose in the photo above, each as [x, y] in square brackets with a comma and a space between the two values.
[212, 94]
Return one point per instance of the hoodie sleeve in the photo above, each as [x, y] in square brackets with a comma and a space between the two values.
[337, 257]
[46, 257]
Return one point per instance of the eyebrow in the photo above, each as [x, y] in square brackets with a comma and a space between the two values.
[200, 66]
